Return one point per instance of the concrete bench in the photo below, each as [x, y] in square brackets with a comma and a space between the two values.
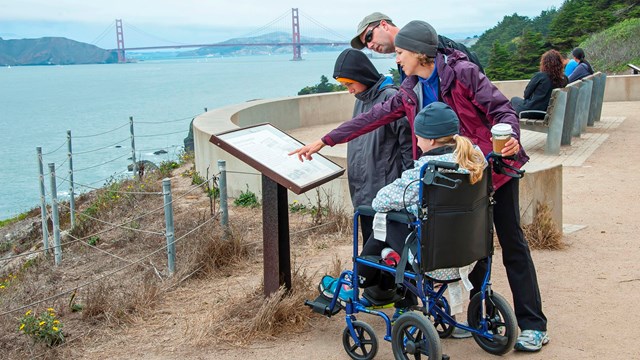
[542, 183]
[552, 123]
[581, 114]
[636, 70]
[597, 97]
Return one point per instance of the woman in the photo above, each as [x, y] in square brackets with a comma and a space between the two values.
[583, 69]
[479, 104]
[538, 92]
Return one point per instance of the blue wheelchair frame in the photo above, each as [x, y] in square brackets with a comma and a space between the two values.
[434, 303]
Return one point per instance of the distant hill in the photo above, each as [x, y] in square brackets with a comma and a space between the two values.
[274, 37]
[52, 51]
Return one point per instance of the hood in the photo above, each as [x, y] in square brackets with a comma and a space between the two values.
[355, 65]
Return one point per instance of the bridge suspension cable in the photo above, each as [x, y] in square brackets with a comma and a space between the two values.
[139, 31]
[264, 27]
[323, 27]
[106, 31]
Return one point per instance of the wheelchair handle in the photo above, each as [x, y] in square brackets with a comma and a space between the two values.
[501, 167]
[443, 165]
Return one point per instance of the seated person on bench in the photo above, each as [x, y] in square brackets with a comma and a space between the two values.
[537, 94]
[436, 128]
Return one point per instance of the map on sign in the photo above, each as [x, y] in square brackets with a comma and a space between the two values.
[266, 148]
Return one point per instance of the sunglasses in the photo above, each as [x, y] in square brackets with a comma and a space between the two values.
[369, 35]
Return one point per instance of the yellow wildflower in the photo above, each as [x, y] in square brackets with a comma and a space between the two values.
[27, 313]
[50, 310]
[1, 286]
[55, 328]
[56, 322]
[41, 323]
[21, 326]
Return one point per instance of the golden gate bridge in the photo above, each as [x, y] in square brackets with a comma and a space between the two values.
[295, 42]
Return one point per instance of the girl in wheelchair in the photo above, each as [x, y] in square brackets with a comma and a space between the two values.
[491, 319]
[436, 128]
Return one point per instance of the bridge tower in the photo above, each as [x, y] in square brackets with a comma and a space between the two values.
[120, 39]
[295, 23]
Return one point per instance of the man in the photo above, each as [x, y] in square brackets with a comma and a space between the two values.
[378, 32]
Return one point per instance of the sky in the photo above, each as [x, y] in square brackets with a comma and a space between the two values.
[164, 22]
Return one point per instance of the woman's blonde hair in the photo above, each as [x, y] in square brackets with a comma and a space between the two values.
[467, 156]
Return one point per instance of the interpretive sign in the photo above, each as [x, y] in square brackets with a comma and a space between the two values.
[266, 148]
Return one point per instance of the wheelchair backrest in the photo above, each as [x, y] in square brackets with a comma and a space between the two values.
[458, 227]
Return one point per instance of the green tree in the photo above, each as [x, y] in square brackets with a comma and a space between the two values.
[509, 28]
[530, 48]
[500, 63]
[323, 87]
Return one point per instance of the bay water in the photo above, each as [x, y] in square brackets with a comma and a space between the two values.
[39, 104]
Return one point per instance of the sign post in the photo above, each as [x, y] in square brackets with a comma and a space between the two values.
[266, 149]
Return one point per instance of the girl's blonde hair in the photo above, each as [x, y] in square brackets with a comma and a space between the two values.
[467, 156]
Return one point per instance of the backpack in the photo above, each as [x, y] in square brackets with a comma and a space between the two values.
[445, 42]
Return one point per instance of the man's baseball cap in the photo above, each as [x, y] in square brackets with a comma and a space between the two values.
[362, 26]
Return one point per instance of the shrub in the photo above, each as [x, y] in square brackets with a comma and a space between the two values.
[45, 327]
[247, 199]
[167, 166]
[612, 49]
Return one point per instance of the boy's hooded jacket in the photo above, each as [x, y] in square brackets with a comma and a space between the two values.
[378, 158]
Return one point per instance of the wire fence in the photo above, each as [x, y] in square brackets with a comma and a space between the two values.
[51, 211]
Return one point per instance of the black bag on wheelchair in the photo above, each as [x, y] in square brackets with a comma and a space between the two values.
[457, 227]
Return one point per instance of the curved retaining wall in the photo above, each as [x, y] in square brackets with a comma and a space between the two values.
[300, 112]
[284, 113]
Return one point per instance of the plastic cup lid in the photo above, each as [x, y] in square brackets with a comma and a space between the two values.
[501, 129]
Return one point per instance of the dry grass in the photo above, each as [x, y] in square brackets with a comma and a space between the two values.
[124, 298]
[543, 233]
[115, 305]
[248, 316]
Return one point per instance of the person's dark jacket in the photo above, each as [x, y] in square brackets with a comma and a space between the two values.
[537, 93]
[583, 69]
[379, 157]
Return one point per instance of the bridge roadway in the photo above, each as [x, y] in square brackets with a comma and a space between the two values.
[230, 45]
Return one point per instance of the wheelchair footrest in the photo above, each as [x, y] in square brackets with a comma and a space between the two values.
[321, 306]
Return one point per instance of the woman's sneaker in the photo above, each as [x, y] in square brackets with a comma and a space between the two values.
[531, 340]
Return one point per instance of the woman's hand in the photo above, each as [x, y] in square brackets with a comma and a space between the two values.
[511, 147]
[308, 149]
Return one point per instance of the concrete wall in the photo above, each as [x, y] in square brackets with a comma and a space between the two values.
[618, 88]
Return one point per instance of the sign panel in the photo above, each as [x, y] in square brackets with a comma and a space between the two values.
[266, 148]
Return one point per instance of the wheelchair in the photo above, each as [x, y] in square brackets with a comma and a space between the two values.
[454, 228]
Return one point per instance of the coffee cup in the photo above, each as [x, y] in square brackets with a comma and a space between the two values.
[501, 133]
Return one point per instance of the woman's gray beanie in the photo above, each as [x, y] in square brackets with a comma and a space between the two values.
[419, 37]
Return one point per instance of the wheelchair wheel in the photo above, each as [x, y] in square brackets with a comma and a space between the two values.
[444, 329]
[414, 336]
[368, 342]
[501, 321]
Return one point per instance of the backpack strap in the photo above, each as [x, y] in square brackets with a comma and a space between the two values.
[410, 244]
